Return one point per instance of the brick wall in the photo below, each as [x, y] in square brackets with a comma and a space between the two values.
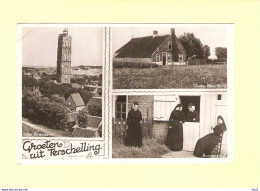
[145, 104]
[177, 49]
[160, 129]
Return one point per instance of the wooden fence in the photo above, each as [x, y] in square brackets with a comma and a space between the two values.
[119, 129]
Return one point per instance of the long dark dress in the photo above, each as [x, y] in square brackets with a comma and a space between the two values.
[192, 116]
[174, 138]
[207, 143]
[134, 131]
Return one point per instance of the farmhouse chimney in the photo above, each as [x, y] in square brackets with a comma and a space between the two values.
[155, 33]
[173, 32]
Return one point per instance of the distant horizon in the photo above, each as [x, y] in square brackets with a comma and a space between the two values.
[40, 43]
[212, 35]
[35, 66]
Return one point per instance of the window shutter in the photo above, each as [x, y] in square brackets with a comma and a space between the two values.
[163, 106]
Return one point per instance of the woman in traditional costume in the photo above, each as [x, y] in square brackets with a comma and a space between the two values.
[174, 138]
[134, 130]
[206, 144]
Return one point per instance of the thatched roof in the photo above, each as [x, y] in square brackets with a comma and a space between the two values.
[77, 99]
[142, 47]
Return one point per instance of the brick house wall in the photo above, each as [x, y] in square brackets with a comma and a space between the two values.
[145, 104]
[160, 129]
[176, 49]
[146, 107]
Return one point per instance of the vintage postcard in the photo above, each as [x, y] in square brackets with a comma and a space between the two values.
[63, 90]
[88, 92]
[173, 92]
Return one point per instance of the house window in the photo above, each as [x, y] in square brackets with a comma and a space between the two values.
[157, 57]
[169, 57]
[121, 107]
[170, 45]
[163, 106]
[219, 97]
[181, 57]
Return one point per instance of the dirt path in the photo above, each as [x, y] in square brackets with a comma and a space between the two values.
[179, 154]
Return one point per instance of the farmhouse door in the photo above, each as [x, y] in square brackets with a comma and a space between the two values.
[191, 134]
[164, 58]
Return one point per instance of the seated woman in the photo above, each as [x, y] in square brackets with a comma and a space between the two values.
[207, 143]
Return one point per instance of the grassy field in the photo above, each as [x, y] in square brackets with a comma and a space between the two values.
[36, 130]
[167, 77]
[151, 149]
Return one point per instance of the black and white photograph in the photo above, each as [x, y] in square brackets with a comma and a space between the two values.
[183, 56]
[62, 82]
[177, 125]
[62, 91]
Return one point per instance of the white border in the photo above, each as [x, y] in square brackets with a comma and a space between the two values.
[140, 189]
[108, 101]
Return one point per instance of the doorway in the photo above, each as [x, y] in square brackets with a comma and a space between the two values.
[164, 58]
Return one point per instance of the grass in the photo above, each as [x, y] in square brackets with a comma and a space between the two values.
[27, 130]
[43, 131]
[151, 149]
[170, 77]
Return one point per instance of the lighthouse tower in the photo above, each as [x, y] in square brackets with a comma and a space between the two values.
[64, 58]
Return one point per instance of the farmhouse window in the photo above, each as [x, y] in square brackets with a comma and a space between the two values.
[170, 45]
[163, 106]
[157, 57]
[121, 107]
[169, 57]
[181, 57]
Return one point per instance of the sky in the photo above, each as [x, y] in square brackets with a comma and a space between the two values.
[39, 45]
[215, 35]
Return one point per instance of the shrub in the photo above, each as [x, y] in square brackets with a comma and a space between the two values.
[133, 65]
[95, 110]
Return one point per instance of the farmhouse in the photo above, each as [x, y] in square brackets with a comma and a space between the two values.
[160, 49]
[156, 111]
[75, 102]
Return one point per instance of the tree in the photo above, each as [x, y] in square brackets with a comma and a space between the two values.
[58, 99]
[29, 81]
[85, 94]
[95, 110]
[83, 119]
[45, 111]
[221, 53]
[206, 51]
[192, 45]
